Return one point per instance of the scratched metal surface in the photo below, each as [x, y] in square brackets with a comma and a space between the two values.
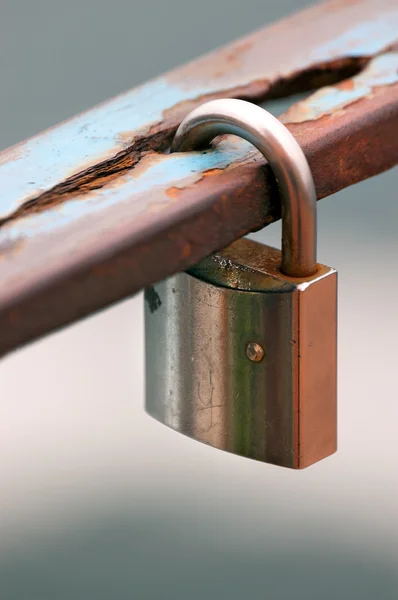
[93, 210]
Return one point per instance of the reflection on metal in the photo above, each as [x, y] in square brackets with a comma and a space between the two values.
[254, 352]
[200, 381]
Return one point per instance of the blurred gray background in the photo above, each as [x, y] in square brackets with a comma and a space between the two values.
[97, 501]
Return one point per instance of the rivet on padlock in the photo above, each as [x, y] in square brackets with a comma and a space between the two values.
[241, 351]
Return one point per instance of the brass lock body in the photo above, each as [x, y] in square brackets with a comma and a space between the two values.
[241, 349]
[243, 358]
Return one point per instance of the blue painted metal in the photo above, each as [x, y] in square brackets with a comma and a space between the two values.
[94, 210]
[155, 174]
[34, 167]
[381, 71]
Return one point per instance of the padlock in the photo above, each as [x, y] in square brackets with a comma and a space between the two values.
[241, 350]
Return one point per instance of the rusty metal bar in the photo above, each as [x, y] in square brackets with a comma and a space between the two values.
[95, 209]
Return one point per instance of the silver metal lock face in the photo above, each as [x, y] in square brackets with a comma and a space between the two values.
[241, 351]
[243, 358]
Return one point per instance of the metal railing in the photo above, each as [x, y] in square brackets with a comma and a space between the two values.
[96, 208]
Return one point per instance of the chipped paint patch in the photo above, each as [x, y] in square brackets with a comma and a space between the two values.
[212, 172]
[280, 51]
[381, 71]
[176, 170]
[173, 192]
[85, 140]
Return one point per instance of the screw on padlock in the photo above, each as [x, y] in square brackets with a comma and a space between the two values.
[241, 350]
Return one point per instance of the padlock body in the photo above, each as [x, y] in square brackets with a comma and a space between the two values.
[277, 406]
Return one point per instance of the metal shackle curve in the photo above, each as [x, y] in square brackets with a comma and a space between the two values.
[287, 161]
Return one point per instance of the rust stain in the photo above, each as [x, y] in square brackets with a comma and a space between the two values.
[346, 85]
[212, 172]
[312, 78]
[235, 54]
[380, 72]
[173, 192]
[361, 143]
[186, 251]
[232, 57]
[158, 139]
[94, 177]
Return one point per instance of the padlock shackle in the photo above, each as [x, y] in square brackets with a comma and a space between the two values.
[286, 158]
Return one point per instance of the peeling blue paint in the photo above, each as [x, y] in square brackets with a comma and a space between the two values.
[383, 70]
[173, 170]
[99, 134]
[53, 156]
